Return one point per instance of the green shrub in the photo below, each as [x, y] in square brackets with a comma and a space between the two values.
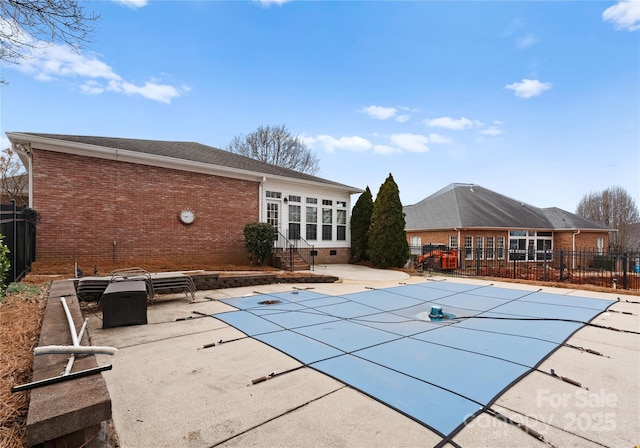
[602, 262]
[259, 238]
[388, 245]
[5, 265]
[360, 222]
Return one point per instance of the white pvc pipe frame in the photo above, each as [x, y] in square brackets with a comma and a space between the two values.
[76, 348]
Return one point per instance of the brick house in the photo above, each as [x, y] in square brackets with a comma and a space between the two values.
[479, 221]
[119, 202]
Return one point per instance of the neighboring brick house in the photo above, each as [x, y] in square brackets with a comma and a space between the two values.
[470, 217]
[118, 202]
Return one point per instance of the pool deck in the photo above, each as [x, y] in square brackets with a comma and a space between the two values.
[167, 390]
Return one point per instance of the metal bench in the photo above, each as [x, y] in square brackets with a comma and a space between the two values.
[92, 288]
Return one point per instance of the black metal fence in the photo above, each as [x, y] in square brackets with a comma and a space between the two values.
[594, 267]
[18, 227]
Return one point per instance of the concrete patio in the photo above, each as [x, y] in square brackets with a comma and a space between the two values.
[168, 390]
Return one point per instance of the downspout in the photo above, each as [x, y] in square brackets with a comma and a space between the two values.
[573, 248]
[30, 177]
[25, 148]
[458, 248]
[260, 197]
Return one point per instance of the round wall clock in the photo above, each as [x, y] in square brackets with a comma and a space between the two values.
[186, 216]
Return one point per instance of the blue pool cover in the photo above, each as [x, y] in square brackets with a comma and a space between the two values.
[383, 343]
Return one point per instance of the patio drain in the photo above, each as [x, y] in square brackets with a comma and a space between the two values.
[269, 302]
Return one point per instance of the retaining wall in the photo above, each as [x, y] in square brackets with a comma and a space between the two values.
[71, 412]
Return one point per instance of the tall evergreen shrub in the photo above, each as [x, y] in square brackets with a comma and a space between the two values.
[360, 222]
[388, 245]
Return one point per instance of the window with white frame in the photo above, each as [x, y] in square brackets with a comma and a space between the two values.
[312, 223]
[500, 247]
[415, 245]
[453, 242]
[543, 242]
[517, 245]
[530, 245]
[273, 215]
[468, 248]
[490, 248]
[274, 194]
[341, 227]
[600, 243]
[294, 222]
[480, 247]
[327, 224]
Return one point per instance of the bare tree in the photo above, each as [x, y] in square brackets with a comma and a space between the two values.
[276, 145]
[27, 24]
[614, 208]
[13, 178]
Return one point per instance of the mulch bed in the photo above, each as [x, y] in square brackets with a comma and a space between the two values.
[21, 312]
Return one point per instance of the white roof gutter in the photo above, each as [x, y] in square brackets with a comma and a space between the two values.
[121, 155]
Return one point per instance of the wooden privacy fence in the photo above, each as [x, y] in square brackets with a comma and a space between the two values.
[18, 227]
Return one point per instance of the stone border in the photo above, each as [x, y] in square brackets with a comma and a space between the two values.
[64, 412]
[221, 280]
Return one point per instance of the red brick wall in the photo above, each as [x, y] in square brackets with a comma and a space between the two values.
[562, 240]
[584, 240]
[340, 255]
[113, 213]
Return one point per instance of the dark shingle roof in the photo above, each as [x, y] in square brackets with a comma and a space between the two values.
[191, 151]
[468, 205]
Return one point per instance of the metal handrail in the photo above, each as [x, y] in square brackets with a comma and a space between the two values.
[297, 244]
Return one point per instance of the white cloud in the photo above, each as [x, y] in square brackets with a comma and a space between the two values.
[437, 138]
[526, 41]
[450, 123]
[379, 112]
[403, 118]
[384, 149]
[133, 4]
[624, 15]
[91, 87]
[410, 142]
[50, 62]
[353, 143]
[493, 130]
[14, 33]
[307, 140]
[162, 93]
[46, 62]
[528, 87]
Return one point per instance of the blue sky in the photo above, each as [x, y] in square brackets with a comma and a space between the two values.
[539, 101]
